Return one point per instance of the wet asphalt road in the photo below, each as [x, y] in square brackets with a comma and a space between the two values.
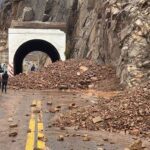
[15, 106]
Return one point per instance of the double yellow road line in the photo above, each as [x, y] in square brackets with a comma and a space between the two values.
[35, 137]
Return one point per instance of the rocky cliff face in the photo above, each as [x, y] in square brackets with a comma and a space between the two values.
[113, 31]
[29, 10]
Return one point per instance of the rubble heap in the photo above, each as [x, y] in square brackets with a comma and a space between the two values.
[70, 74]
[128, 112]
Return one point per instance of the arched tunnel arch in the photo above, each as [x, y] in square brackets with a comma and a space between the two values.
[30, 46]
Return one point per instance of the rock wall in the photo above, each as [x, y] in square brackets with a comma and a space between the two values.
[115, 32]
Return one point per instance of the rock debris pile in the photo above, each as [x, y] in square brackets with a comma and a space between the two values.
[129, 112]
[69, 74]
[118, 31]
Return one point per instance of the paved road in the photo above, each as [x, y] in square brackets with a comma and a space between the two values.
[34, 122]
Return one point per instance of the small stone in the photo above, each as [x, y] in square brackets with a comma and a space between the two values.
[52, 110]
[41, 138]
[33, 105]
[74, 135]
[46, 111]
[83, 68]
[86, 138]
[97, 119]
[58, 106]
[105, 139]
[135, 132]
[148, 134]
[112, 143]
[78, 73]
[36, 111]
[100, 148]
[10, 119]
[63, 87]
[126, 149]
[60, 138]
[49, 103]
[13, 125]
[62, 128]
[138, 22]
[66, 135]
[13, 141]
[91, 86]
[13, 134]
[76, 128]
[94, 78]
[71, 106]
[29, 131]
[100, 144]
[57, 109]
[49, 126]
[137, 145]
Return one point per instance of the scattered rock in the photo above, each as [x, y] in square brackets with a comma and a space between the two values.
[13, 141]
[58, 106]
[49, 126]
[13, 134]
[97, 119]
[62, 128]
[63, 87]
[86, 138]
[72, 105]
[126, 149]
[137, 145]
[27, 115]
[83, 68]
[52, 110]
[135, 132]
[10, 119]
[106, 139]
[33, 105]
[13, 125]
[100, 148]
[124, 113]
[29, 131]
[49, 103]
[57, 109]
[60, 138]
[36, 111]
[41, 138]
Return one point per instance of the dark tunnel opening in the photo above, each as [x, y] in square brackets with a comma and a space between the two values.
[30, 46]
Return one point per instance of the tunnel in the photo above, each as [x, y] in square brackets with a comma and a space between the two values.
[31, 46]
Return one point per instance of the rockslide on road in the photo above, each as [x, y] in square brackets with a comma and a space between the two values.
[26, 123]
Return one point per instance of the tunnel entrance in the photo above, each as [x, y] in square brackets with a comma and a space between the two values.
[36, 58]
[31, 46]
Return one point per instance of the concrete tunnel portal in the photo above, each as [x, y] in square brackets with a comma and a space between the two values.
[23, 41]
[31, 46]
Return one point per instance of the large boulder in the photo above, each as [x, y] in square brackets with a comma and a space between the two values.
[28, 14]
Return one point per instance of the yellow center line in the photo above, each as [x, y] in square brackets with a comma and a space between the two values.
[33, 141]
[31, 134]
[41, 137]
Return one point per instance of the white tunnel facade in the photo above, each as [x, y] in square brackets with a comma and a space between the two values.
[23, 41]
